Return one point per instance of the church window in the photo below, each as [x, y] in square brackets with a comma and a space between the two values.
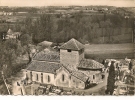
[31, 75]
[63, 77]
[93, 76]
[42, 77]
[37, 76]
[48, 78]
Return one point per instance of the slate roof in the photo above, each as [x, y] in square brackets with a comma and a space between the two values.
[51, 56]
[43, 66]
[72, 44]
[90, 64]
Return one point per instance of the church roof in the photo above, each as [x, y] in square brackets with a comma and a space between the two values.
[43, 66]
[76, 73]
[72, 44]
[90, 64]
[47, 55]
[80, 75]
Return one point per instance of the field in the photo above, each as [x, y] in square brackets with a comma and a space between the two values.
[105, 51]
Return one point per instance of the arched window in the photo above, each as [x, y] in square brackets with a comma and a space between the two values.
[37, 76]
[63, 77]
[42, 77]
[93, 76]
[48, 78]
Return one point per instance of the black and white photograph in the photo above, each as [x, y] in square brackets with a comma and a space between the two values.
[67, 47]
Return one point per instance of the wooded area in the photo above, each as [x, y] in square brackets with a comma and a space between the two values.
[93, 29]
[96, 28]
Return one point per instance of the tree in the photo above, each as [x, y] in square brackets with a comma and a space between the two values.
[103, 62]
[130, 66]
[10, 49]
[43, 28]
[111, 79]
[8, 56]
[25, 41]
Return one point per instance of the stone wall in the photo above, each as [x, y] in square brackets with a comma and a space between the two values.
[59, 81]
[95, 78]
[28, 76]
[45, 78]
[39, 80]
[69, 58]
[81, 54]
[76, 83]
[69, 80]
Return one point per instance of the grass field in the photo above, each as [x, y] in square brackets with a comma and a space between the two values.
[115, 51]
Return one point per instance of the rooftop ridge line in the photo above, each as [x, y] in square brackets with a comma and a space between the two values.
[75, 43]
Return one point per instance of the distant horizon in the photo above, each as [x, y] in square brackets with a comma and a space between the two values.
[67, 6]
[41, 3]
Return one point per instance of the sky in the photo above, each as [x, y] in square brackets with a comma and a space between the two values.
[118, 3]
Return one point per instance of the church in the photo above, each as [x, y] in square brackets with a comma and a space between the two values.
[66, 68]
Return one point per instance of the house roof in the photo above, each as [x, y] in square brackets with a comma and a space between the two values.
[90, 73]
[72, 44]
[17, 33]
[45, 43]
[10, 31]
[90, 64]
[124, 62]
[49, 67]
[78, 74]
[43, 66]
[47, 55]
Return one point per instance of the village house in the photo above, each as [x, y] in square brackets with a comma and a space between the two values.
[66, 68]
[12, 35]
[8, 13]
[2, 35]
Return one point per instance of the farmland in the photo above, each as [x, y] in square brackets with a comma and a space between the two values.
[114, 51]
